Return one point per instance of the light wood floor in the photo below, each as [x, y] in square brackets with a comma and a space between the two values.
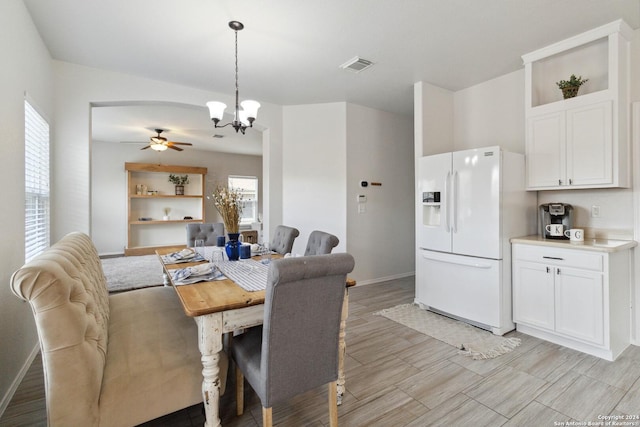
[399, 377]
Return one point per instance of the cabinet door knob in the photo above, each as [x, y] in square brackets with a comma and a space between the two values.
[559, 182]
[547, 269]
[570, 181]
[557, 271]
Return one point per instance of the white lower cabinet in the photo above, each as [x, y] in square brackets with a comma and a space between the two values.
[576, 298]
[533, 295]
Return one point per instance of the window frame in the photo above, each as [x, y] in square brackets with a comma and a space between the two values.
[243, 219]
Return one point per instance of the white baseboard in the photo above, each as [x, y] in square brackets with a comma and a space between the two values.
[384, 279]
[6, 399]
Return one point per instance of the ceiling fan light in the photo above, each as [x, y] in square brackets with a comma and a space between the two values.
[216, 110]
[250, 108]
[158, 147]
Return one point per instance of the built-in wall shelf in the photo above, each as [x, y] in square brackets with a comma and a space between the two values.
[151, 195]
[580, 142]
[164, 221]
[163, 196]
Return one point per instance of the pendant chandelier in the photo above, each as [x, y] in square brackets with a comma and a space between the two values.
[244, 118]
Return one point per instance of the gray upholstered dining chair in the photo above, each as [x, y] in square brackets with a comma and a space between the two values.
[320, 243]
[209, 232]
[282, 240]
[296, 349]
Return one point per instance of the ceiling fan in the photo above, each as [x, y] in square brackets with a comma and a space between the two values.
[160, 143]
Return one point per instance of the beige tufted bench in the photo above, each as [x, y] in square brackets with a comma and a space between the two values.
[109, 360]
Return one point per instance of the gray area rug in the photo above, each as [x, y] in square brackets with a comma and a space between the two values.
[469, 340]
[132, 272]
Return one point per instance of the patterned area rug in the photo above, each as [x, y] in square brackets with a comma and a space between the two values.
[469, 340]
[132, 272]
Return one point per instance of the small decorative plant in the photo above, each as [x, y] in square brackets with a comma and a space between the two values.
[570, 87]
[178, 180]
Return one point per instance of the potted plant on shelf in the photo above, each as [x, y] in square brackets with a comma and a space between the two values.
[179, 182]
[570, 87]
[228, 203]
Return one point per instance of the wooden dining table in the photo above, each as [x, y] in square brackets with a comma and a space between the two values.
[222, 306]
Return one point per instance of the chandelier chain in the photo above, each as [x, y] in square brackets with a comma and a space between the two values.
[236, 32]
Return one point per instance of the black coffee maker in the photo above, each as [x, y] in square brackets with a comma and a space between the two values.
[552, 214]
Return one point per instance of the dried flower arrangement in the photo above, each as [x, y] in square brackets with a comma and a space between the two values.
[228, 202]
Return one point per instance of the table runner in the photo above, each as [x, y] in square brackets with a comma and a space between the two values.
[249, 274]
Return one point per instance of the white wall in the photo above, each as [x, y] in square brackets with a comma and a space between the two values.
[380, 149]
[26, 67]
[433, 119]
[77, 87]
[109, 181]
[616, 210]
[328, 149]
[635, 148]
[314, 171]
[491, 113]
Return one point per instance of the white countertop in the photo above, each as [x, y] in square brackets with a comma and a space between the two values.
[598, 245]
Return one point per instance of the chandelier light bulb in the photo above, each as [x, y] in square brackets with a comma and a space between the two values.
[216, 110]
[250, 108]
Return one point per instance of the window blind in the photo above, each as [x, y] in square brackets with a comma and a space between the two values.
[36, 158]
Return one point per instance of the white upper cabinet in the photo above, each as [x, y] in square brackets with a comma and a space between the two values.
[580, 142]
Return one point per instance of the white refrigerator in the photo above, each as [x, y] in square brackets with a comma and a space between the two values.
[470, 203]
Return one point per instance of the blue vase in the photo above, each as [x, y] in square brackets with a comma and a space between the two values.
[233, 247]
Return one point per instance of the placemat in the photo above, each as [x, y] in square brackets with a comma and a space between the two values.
[249, 274]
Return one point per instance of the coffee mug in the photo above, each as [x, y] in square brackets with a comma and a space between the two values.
[555, 229]
[575, 234]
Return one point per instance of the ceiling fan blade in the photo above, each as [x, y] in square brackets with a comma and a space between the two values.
[174, 148]
[179, 143]
[134, 142]
[144, 148]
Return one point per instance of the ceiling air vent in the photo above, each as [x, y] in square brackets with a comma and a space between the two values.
[356, 64]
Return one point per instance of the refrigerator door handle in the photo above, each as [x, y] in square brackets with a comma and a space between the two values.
[454, 203]
[446, 204]
[466, 263]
